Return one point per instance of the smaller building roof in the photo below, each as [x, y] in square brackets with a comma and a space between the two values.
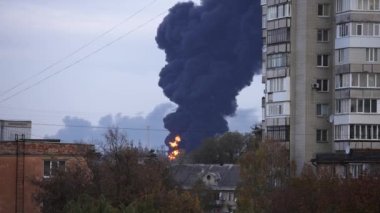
[215, 176]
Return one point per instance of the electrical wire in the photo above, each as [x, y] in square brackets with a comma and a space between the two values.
[78, 49]
[100, 127]
[84, 57]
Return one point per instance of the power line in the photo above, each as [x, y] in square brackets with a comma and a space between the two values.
[79, 49]
[99, 127]
[84, 57]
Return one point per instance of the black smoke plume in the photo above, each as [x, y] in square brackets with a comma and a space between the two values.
[212, 52]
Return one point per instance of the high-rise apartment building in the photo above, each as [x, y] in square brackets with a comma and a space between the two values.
[321, 69]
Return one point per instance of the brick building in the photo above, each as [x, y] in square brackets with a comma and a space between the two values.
[26, 160]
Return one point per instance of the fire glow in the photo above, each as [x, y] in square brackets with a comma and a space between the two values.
[174, 145]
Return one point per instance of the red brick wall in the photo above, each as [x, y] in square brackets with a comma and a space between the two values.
[7, 184]
[45, 148]
[35, 154]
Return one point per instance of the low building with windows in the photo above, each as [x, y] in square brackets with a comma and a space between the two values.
[220, 180]
[23, 161]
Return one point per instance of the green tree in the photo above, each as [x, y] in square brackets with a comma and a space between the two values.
[87, 204]
[264, 167]
[64, 186]
[223, 149]
[123, 178]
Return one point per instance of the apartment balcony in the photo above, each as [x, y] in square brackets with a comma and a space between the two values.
[359, 118]
[357, 41]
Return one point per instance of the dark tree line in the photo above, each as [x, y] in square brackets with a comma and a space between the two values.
[122, 178]
[269, 185]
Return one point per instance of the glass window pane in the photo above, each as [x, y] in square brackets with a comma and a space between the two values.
[325, 85]
[371, 80]
[353, 105]
[369, 132]
[374, 127]
[367, 105]
[363, 132]
[360, 105]
[373, 106]
[352, 131]
[357, 131]
[363, 80]
[355, 79]
[46, 168]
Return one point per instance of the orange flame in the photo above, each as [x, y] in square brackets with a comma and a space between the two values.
[175, 148]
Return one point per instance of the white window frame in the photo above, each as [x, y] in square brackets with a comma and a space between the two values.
[322, 110]
[371, 54]
[325, 12]
[322, 135]
[52, 164]
[323, 35]
[323, 83]
[323, 59]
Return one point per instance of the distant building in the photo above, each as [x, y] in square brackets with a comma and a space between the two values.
[25, 160]
[222, 180]
[13, 130]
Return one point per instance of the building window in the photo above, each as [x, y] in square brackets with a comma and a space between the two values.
[363, 105]
[275, 109]
[322, 109]
[358, 30]
[278, 35]
[341, 55]
[322, 35]
[323, 10]
[341, 132]
[364, 132]
[264, 22]
[342, 106]
[342, 81]
[323, 60]
[342, 5]
[376, 29]
[278, 133]
[322, 85]
[368, 5]
[371, 54]
[276, 84]
[321, 135]
[278, 11]
[342, 30]
[356, 170]
[370, 80]
[51, 166]
[277, 60]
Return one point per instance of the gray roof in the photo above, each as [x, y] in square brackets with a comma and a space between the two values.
[226, 176]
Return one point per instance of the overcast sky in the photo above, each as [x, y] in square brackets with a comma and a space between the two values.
[116, 85]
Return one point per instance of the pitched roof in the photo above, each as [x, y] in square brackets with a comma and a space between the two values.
[227, 176]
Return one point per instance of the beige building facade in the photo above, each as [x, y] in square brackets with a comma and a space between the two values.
[321, 71]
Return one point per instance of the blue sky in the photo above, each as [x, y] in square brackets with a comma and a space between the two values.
[115, 86]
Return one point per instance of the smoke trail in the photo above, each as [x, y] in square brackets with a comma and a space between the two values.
[212, 52]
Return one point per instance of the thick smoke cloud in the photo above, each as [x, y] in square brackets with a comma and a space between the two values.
[79, 129]
[212, 52]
